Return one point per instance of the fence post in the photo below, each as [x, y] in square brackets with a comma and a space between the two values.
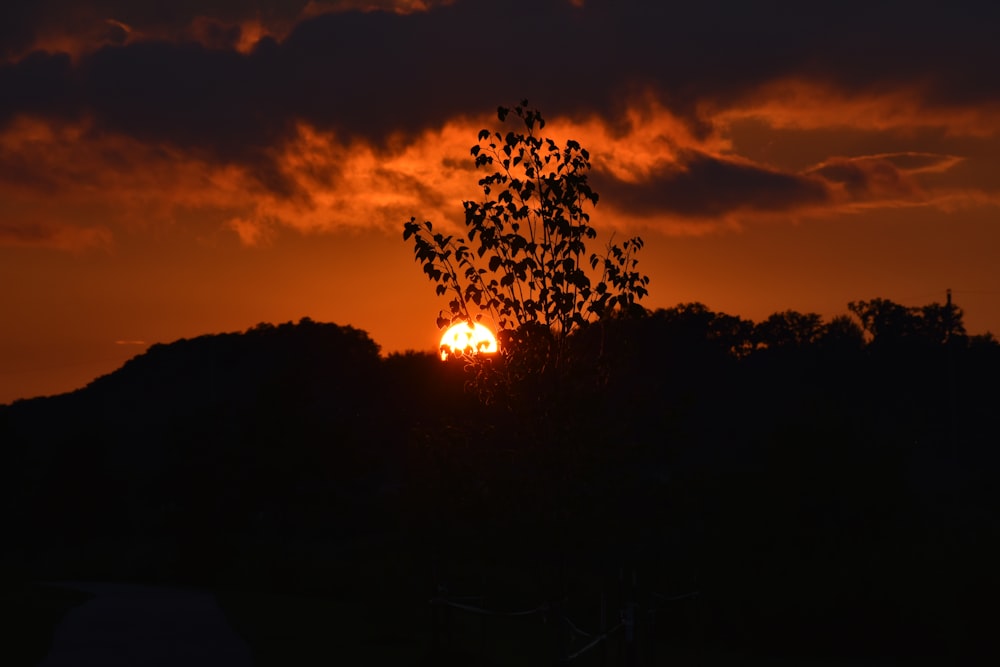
[604, 623]
[631, 655]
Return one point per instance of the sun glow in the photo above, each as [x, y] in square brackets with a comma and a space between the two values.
[467, 339]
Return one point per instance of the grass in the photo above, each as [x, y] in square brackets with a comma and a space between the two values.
[371, 610]
[289, 629]
[369, 603]
[29, 614]
[360, 603]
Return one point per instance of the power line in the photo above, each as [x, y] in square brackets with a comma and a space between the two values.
[489, 612]
[594, 642]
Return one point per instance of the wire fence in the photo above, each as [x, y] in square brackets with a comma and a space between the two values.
[555, 615]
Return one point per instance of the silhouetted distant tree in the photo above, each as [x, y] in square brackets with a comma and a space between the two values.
[695, 326]
[843, 333]
[942, 323]
[884, 320]
[984, 342]
[789, 329]
[890, 324]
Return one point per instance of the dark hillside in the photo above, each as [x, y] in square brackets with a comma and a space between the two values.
[827, 488]
[180, 450]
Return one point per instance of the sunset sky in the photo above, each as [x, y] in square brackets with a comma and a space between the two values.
[169, 169]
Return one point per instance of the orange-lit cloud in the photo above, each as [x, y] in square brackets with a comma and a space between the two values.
[800, 104]
[65, 187]
[331, 184]
[67, 173]
[651, 170]
[355, 184]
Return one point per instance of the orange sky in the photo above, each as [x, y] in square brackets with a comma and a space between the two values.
[165, 175]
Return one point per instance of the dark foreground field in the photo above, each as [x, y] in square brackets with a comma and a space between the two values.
[367, 627]
[689, 495]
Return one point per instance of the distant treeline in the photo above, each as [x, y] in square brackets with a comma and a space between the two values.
[828, 485]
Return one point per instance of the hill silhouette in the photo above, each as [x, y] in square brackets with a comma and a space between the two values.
[824, 486]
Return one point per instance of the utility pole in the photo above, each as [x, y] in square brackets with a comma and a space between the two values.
[948, 324]
[952, 395]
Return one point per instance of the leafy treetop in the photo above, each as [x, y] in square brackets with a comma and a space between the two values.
[523, 258]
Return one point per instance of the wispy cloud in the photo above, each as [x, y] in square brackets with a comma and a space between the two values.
[59, 237]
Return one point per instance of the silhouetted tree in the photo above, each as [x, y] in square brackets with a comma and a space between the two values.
[695, 327]
[942, 323]
[522, 259]
[842, 333]
[789, 329]
[884, 320]
[891, 324]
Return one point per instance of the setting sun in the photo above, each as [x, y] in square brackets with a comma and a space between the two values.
[463, 338]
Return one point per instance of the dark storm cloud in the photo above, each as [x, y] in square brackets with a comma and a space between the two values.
[39, 84]
[370, 74]
[186, 95]
[708, 187]
[24, 22]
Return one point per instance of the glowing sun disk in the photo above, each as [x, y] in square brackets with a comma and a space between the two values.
[465, 339]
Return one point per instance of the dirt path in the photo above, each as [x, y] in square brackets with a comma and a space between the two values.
[142, 626]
